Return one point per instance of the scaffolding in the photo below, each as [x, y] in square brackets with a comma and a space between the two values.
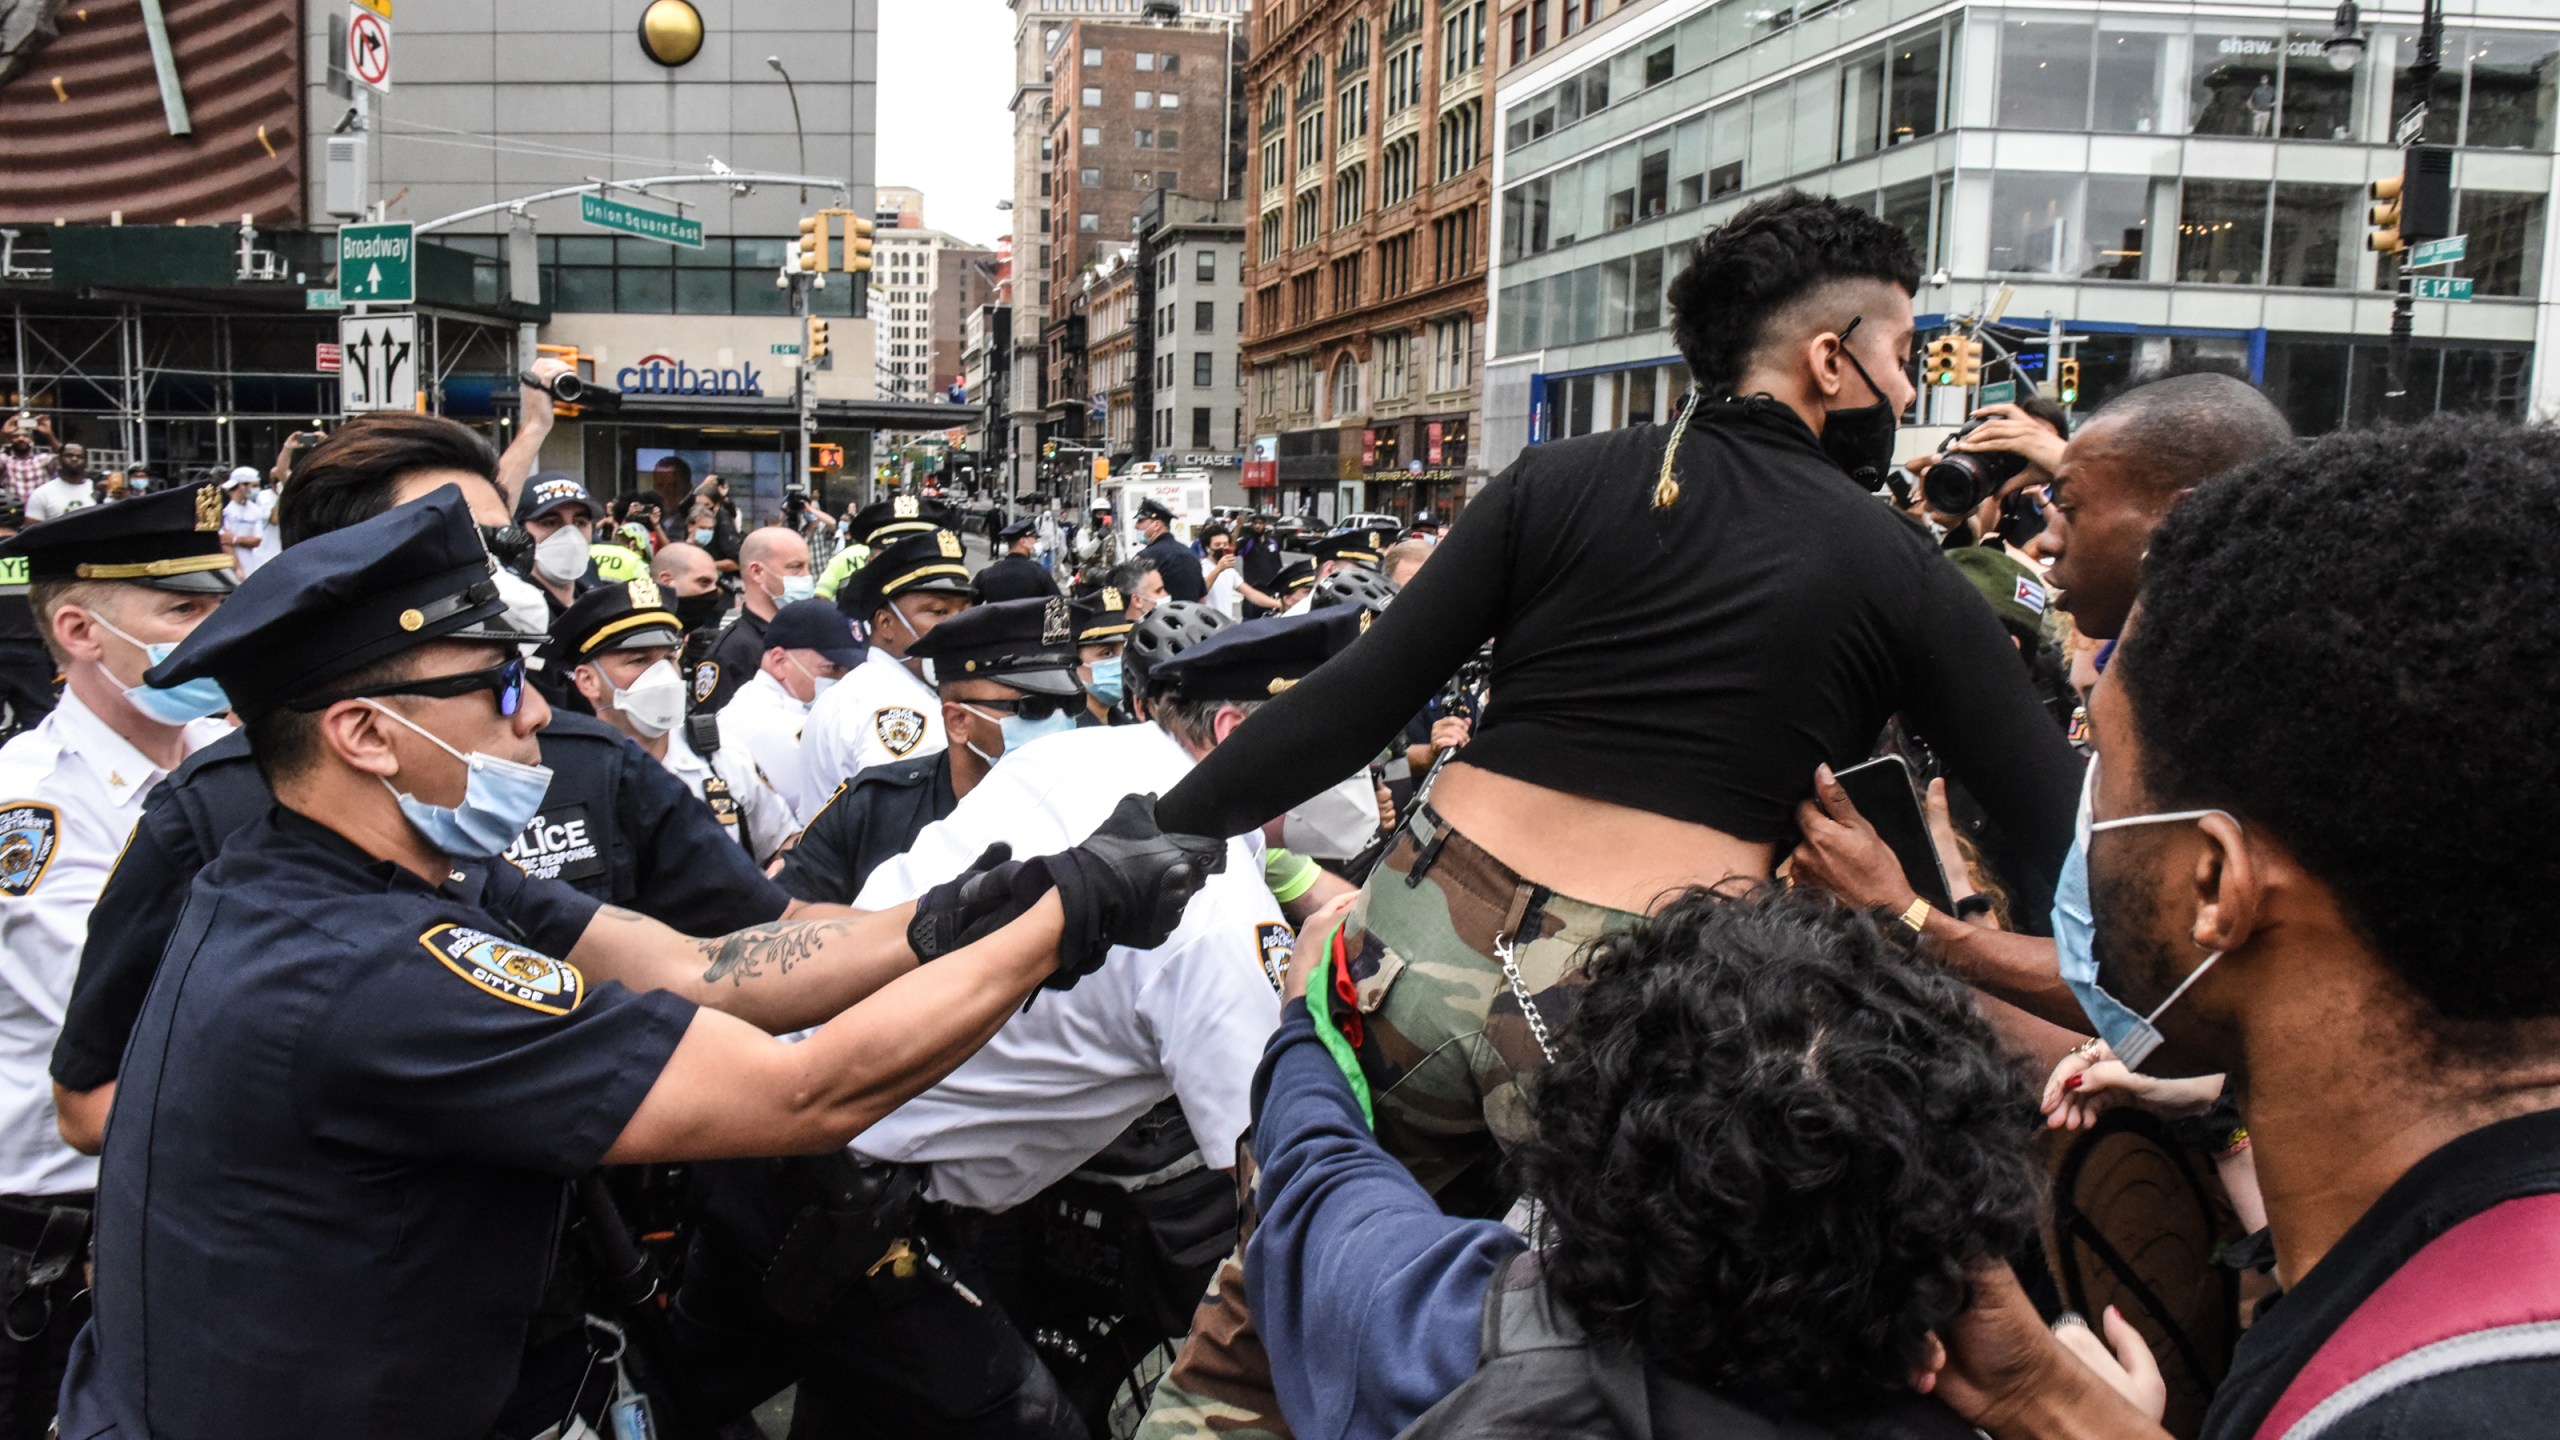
[187, 389]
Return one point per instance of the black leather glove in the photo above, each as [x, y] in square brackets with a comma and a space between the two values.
[990, 894]
[1127, 884]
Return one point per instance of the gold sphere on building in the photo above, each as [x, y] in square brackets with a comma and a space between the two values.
[671, 31]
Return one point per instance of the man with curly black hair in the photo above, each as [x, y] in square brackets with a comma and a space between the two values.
[2318, 842]
[1770, 1150]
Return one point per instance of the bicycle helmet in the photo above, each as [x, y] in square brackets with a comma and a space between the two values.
[1354, 585]
[1168, 630]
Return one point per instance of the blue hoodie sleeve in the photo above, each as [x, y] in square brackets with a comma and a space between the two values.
[1368, 1299]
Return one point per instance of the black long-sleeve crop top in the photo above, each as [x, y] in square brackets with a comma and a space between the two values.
[1696, 660]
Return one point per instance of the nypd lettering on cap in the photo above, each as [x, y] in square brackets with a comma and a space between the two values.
[30, 831]
[558, 488]
[506, 969]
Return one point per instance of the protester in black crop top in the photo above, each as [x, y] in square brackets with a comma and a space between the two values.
[1695, 660]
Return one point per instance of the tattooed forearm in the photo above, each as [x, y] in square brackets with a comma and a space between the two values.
[743, 956]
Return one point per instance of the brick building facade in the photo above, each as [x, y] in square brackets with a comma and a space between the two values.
[1369, 126]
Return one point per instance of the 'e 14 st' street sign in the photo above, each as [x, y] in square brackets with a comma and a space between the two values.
[2440, 287]
[377, 264]
[647, 224]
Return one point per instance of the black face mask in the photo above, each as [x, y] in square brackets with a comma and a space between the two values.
[1859, 439]
[695, 611]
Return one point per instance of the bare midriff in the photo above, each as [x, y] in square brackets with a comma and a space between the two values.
[1592, 850]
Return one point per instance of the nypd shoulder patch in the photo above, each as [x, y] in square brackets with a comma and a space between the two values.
[30, 831]
[706, 678]
[900, 729]
[506, 969]
[1275, 941]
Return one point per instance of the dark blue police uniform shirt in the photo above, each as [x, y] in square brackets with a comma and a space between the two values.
[616, 825]
[341, 1146]
[1179, 567]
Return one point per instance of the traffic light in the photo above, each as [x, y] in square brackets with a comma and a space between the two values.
[2068, 388]
[1968, 362]
[1943, 353]
[857, 242]
[1049, 450]
[818, 351]
[1101, 470]
[2384, 216]
[811, 258]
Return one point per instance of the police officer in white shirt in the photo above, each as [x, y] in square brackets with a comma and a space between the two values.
[114, 588]
[617, 644]
[884, 711]
[809, 645]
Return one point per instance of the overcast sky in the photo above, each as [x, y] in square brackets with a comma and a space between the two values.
[946, 73]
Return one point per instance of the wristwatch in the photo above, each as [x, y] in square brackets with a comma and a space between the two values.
[1916, 917]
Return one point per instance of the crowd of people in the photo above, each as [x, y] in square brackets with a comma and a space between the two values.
[1658, 959]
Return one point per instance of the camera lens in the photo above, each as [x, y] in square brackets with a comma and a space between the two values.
[1961, 480]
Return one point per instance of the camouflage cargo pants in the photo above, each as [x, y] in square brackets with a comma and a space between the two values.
[1446, 1047]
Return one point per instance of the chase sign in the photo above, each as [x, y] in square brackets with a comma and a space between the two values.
[664, 375]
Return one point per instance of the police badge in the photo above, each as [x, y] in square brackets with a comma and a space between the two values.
[1275, 942]
[899, 728]
[507, 970]
[706, 678]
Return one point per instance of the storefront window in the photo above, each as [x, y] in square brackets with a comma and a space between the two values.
[2030, 222]
[2222, 232]
[2127, 90]
[2515, 90]
[2505, 250]
[2044, 74]
[1917, 64]
[2231, 84]
[2118, 226]
[2319, 100]
[2315, 235]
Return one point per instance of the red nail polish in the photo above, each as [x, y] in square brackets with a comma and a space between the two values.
[2073, 1083]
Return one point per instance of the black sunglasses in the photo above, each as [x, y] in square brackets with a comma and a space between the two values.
[1032, 707]
[505, 679]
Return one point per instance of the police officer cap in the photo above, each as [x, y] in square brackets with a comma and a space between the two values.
[339, 602]
[928, 560]
[1154, 509]
[553, 491]
[901, 515]
[814, 625]
[1018, 528]
[168, 540]
[1361, 544]
[1260, 660]
[1102, 613]
[1295, 576]
[630, 615]
[1027, 644]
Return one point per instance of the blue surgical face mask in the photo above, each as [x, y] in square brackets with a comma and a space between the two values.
[701, 537]
[798, 587]
[1105, 685]
[1019, 732]
[194, 700]
[499, 797]
[2132, 1036]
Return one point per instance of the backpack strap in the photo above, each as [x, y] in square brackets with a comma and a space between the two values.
[2483, 1292]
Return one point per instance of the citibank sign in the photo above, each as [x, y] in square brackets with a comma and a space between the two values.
[666, 375]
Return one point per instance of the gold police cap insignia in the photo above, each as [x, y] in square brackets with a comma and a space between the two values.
[644, 595]
[1280, 687]
[906, 507]
[1111, 599]
[208, 508]
[1053, 623]
[411, 620]
[949, 542]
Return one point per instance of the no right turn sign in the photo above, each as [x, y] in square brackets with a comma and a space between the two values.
[369, 48]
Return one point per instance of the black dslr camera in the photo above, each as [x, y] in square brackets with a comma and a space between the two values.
[1960, 480]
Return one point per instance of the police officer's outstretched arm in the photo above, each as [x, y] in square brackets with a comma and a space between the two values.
[728, 1090]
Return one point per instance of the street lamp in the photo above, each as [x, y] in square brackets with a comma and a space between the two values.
[794, 91]
[2345, 45]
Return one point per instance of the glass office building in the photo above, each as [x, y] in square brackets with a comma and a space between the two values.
[2175, 188]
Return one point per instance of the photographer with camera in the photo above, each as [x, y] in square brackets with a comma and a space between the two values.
[1982, 485]
[549, 380]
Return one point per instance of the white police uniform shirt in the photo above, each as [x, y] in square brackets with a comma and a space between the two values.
[879, 713]
[763, 723]
[1064, 1078]
[248, 518]
[70, 790]
[741, 795]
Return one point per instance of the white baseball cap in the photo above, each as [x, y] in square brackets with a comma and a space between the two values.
[242, 475]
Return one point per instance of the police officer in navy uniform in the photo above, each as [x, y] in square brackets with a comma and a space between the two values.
[1174, 560]
[613, 824]
[1102, 637]
[329, 1201]
[26, 670]
[1006, 675]
[1015, 575]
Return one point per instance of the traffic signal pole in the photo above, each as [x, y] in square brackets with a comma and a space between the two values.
[2404, 300]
